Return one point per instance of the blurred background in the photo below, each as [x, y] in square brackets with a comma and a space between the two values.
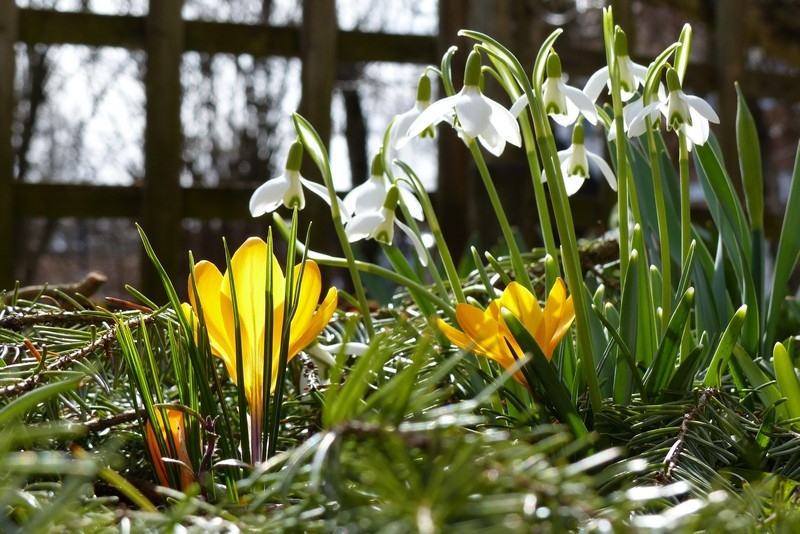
[170, 113]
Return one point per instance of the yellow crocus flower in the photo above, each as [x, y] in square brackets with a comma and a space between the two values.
[485, 333]
[249, 272]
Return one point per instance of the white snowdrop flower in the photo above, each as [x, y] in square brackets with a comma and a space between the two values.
[575, 164]
[472, 113]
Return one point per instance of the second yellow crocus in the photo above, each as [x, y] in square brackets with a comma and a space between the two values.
[485, 333]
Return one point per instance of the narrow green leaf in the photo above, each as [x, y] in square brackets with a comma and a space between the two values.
[18, 407]
[764, 386]
[748, 144]
[545, 375]
[628, 329]
[787, 379]
[764, 437]
[654, 70]
[730, 220]
[719, 362]
[682, 381]
[788, 253]
[646, 340]
[660, 371]
[624, 351]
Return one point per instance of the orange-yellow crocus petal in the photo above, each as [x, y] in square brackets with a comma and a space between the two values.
[308, 331]
[487, 337]
[249, 272]
[523, 305]
[309, 291]
[219, 323]
[177, 448]
[558, 316]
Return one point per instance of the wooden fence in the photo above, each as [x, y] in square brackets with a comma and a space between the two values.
[161, 203]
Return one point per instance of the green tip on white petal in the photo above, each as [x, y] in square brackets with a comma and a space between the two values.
[377, 165]
[673, 82]
[553, 66]
[472, 72]
[390, 202]
[620, 43]
[424, 89]
[295, 159]
[577, 133]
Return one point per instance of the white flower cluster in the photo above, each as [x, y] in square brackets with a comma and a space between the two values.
[369, 209]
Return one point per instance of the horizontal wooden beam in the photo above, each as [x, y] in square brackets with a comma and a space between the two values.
[125, 31]
[94, 201]
[58, 27]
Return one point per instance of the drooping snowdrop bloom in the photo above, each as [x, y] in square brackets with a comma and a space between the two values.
[631, 75]
[632, 109]
[575, 164]
[399, 134]
[684, 113]
[286, 189]
[379, 225]
[562, 102]
[472, 113]
[370, 195]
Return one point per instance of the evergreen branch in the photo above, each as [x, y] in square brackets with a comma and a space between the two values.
[102, 342]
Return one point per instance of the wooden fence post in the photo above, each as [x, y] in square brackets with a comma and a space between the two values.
[454, 197]
[8, 34]
[163, 143]
[730, 47]
[318, 53]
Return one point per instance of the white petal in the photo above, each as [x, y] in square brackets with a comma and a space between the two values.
[384, 231]
[577, 160]
[563, 155]
[519, 105]
[368, 196]
[421, 252]
[596, 82]
[639, 72]
[638, 125]
[604, 168]
[411, 202]
[473, 111]
[573, 183]
[318, 189]
[567, 118]
[612, 130]
[294, 193]
[581, 101]
[698, 131]
[268, 196]
[433, 114]
[554, 101]
[505, 123]
[363, 226]
[702, 107]
[399, 135]
[492, 141]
